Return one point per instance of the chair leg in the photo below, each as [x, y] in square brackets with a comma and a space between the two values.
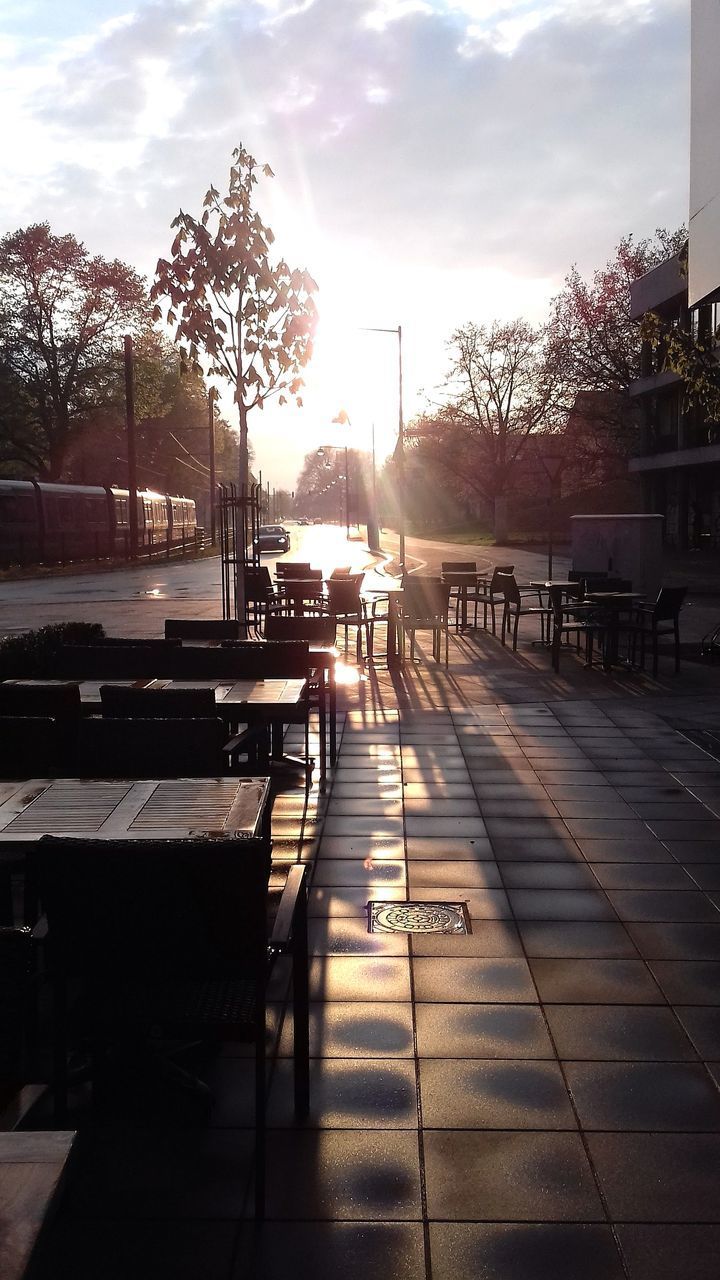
[676, 632]
[503, 625]
[260, 1106]
[515, 631]
[301, 1010]
[655, 651]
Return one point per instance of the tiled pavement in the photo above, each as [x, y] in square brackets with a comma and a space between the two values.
[536, 1100]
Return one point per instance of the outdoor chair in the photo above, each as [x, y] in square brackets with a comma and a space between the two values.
[319, 631]
[116, 662]
[167, 940]
[135, 642]
[279, 660]
[424, 607]
[114, 747]
[260, 595]
[570, 618]
[30, 746]
[514, 609]
[456, 591]
[348, 608]
[202, 629]
[294, 569]
[652, 621]
[489, 595]
[300, 596]
[150, 704]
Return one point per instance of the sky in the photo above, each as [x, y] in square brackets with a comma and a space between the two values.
[436, 161]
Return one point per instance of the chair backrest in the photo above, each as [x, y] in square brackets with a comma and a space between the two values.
[61, 700]
[315, 631]
[258, 584]
[425, 597]
[153, 911]
[15, 963]
[344, 595]
[135, 642]
[499, 571]
[117, 662]
[29, 746]
[341, 571]
[271, 659]
[582, 575]
[152, 748]
[202, 628]
[151, 704]
[458, 566]
[294, 569]
[508, 586]
[669, 602]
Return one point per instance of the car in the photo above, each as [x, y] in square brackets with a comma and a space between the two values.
[272, 537]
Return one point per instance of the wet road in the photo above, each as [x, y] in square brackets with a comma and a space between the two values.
[136, 601]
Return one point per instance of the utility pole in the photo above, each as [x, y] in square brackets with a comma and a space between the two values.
[211, 448]
[131, 453]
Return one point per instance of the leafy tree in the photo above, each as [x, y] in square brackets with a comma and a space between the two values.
[249, 320]
[498, 393]
[62, 317]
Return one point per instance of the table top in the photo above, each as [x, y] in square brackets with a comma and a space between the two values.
[607, 597]
[277, 692]
[171, 809]
[31, 1170]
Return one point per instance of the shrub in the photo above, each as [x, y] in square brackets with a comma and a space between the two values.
[32, 654]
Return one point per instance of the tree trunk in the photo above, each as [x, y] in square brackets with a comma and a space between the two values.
[500, 526]
[244, 495]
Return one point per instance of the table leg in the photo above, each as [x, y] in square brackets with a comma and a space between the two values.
[332, 685]
[322, 716]
[393, 660]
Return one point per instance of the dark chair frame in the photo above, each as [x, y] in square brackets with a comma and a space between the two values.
[646, 625]
[514, 601]
[179, 935]
[202, 629]
[489, 595]
[424, 606]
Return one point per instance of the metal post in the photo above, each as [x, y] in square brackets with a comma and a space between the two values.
[550, 533]
[401, 453]
[211, 445]
[131, 454]
[347, 494]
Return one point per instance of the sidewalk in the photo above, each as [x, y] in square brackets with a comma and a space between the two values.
[534, 1100]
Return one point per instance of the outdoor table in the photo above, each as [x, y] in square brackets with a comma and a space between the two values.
[32, 1170]
[614, 603]
[295, 593]
[461, 580]
[121, 809]
[394, 600]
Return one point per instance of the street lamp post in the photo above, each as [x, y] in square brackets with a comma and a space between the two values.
[400, 447]
[553, 461]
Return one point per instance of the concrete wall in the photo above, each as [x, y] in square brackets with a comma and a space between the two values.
[623, 546]
[704, 254]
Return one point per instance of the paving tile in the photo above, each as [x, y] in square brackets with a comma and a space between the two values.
[360, 847]
[647, 849]
[359, 825]
[694, 851]
[607, 828]
[510, 791]
[547, 875]
[506, 1176]
[526, 849]
[705, 875]
[472, 979]
[326, 1250]
[658, 1177]
[663, 905]
[703, 1027]
[482, 1031]
[348, 1093]
[352, 1174]
[455, 773]
[676, 941]
[438, 790]
[668, 1252]
[371, 873]
[587, 938]
[618, 1033]
[688, 981]
[667, 829]
[641, 875]
[488, 938]
[433, 807]
[327, 901]
[609, 981]
[582, 774]
[521, 1251]
[452, 849]
[355, 1028]
[359, 978]
[482, 904]
[449, 826]
[560, 904]
[481, 875]
[598, 808]
[84, 1249]
[349, 936]
[530, 829]
[503, 1094]
[651, 1096]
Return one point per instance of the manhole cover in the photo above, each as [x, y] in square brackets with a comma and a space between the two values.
[418, 917]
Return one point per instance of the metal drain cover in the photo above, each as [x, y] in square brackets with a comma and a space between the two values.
[418, 917]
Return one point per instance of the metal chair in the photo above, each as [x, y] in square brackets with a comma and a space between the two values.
[514, 605]
[167, 940]
[570, 618]
[16, 969]
[424, 607]
[202, 628]
[456, 591]
[489, 595]
[114, 747]
[646, 624]
[348, 608]
[118, 701]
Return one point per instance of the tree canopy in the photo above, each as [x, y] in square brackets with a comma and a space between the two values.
[63, 314]
[242, 317]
